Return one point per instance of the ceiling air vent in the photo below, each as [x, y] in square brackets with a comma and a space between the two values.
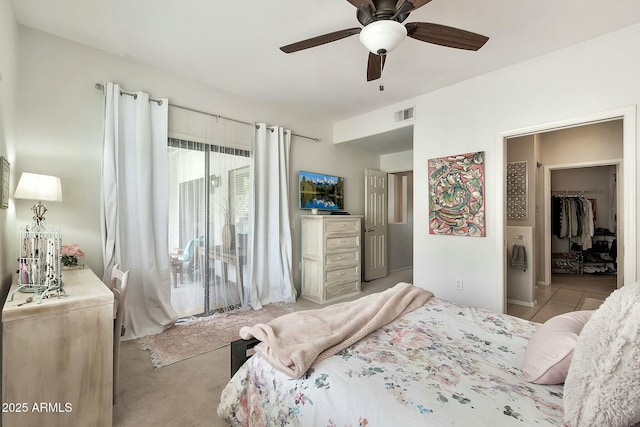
[402, 115]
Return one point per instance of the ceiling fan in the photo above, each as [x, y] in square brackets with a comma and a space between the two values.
[383, 31]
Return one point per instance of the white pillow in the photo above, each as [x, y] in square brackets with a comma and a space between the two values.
[550, 349]
[603, 384]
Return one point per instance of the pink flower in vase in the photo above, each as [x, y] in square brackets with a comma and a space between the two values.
[70, 254]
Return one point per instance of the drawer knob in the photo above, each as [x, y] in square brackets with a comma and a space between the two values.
[341, 225]
[342, 273]
[342, 289]
[343, 241]
[342, 257]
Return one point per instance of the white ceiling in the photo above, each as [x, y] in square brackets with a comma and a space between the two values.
[233, 45]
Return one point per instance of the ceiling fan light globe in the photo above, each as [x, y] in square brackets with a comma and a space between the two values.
[381, 37]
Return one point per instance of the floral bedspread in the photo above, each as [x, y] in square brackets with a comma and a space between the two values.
[442, 365]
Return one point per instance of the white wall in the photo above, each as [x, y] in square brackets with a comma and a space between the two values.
[588, 78]
[382, 121]
[397, 162]
[520, 283]
[59, 130]
[8, 83]
[582, 144]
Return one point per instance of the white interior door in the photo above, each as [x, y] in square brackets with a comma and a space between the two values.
[375, 225]
[620, 233]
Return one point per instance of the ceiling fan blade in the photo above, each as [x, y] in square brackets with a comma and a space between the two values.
[375, 66]
[363, 3]
[319, 40]
[409, 5]
[445, 36]
[404, 7]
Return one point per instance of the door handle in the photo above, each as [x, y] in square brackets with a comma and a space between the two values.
[368, 230]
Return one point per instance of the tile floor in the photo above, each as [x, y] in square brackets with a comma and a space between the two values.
[566, 293]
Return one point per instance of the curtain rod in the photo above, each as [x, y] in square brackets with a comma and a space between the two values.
[576, 191]
[572, 194]
[100, 86]
[292, 134]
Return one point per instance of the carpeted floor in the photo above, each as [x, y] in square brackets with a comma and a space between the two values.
[185, 340]
[187, 393]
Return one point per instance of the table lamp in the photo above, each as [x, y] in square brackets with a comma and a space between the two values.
[38, 187]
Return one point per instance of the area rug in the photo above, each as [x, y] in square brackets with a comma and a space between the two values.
[590, 304]
[193, 338]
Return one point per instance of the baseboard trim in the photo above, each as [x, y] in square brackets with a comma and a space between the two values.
[401, 269]
[525, 303]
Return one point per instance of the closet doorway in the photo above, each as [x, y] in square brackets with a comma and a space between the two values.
[583, 233]
[589, 152]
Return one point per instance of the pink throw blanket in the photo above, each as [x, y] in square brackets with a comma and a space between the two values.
[293, 342]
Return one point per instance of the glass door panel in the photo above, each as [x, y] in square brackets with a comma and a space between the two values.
[208, 217]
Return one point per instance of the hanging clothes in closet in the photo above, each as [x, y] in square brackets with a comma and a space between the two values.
[572, 218]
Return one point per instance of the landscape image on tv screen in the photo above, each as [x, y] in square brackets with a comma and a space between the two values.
[324, 192]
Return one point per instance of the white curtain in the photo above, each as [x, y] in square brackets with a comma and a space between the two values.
[134, 206]
[271, 273]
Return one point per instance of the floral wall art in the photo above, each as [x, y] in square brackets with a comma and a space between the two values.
[456, 195]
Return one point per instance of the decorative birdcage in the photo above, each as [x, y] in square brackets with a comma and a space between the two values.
[40, 269]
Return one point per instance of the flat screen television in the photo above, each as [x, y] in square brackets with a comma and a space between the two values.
[321, 191]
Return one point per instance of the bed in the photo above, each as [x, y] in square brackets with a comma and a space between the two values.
[444, 364]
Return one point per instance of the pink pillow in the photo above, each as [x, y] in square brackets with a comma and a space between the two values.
[550, 349]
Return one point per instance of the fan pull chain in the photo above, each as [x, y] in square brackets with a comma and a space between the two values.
[381, 87]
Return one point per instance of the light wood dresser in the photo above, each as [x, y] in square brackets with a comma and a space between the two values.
[331, 253]
[57, 367]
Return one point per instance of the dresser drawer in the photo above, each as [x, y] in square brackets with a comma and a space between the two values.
[343, 226]
[342, 289]
[342, 242]
[343, 258]
[342, 274]
[331, 257]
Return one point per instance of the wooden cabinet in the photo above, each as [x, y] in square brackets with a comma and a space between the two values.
[57, 355]
[331, 268]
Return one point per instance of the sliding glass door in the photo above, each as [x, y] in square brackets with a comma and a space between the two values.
[209, 193]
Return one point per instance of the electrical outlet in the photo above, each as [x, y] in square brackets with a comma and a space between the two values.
[459, 285]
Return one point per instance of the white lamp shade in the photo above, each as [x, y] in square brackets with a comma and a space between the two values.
[381, 37]
[39, 187]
